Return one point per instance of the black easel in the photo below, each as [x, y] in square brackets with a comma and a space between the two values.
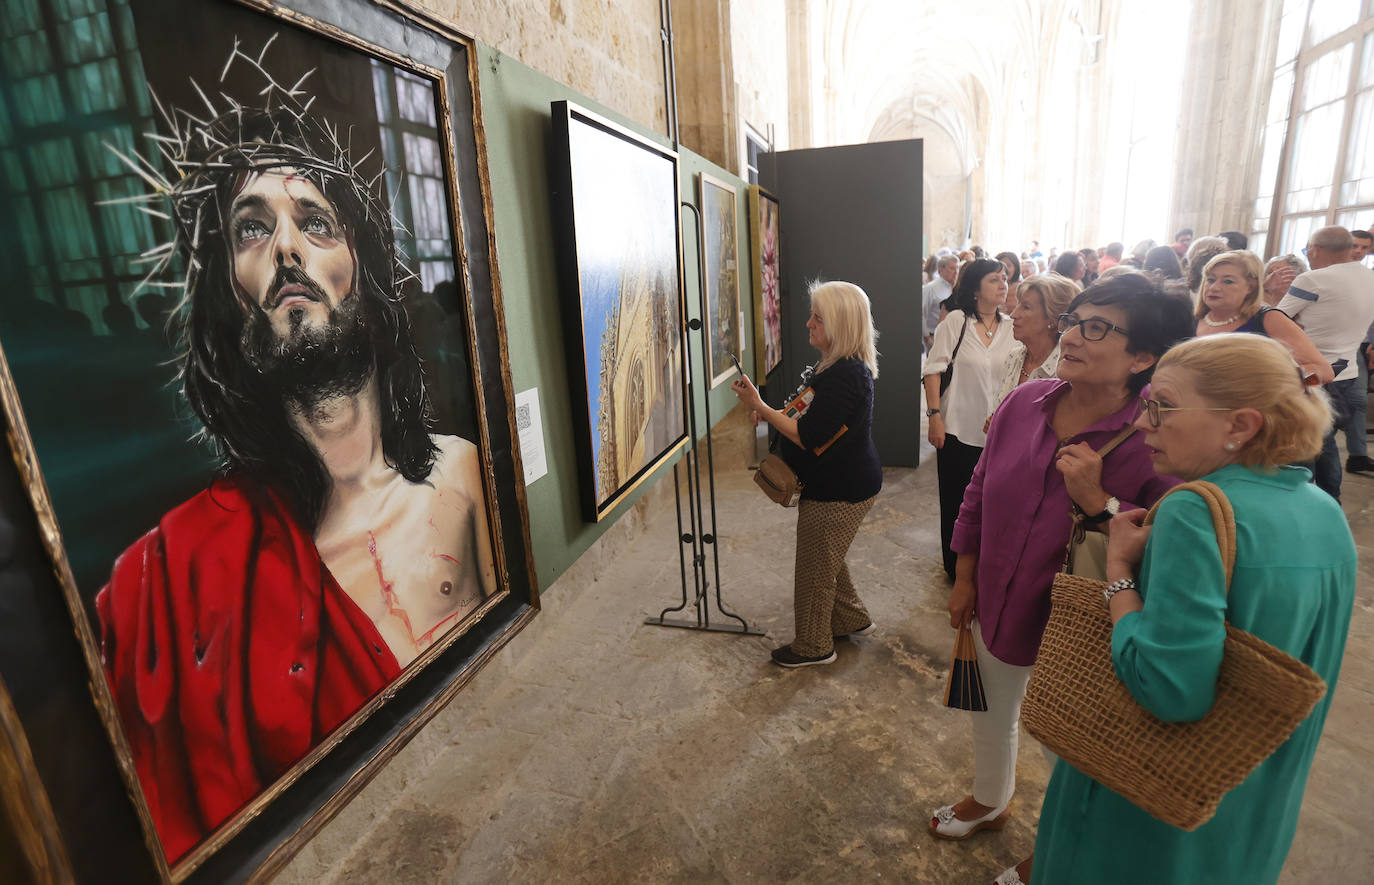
[698, 536]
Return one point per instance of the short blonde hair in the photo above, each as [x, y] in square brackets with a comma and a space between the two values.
[1252, 269]
[844, 309]
[1056, 294]
[1240, 371]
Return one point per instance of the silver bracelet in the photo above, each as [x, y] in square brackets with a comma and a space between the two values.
[1116, 587]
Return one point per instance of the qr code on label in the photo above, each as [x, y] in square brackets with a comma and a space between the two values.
[522, 418]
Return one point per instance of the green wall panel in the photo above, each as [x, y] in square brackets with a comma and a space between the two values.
[517, 120]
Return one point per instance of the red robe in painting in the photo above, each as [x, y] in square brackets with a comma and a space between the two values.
[231, 652]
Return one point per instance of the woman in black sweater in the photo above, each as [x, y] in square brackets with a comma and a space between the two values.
[830, 446]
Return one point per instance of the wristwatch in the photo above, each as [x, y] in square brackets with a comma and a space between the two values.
[931, 413]
[1113, 507]
[1116, 587]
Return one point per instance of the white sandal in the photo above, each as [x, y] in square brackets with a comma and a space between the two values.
[944, 825]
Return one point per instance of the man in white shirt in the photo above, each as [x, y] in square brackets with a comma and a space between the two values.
[935, 291]
[1334, 302]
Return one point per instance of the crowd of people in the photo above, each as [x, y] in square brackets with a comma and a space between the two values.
[1069, 392]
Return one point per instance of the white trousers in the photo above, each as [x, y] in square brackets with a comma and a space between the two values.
[995, 731]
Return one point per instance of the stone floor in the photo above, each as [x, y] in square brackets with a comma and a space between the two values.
[599, 749]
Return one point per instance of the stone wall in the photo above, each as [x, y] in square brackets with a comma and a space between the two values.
[609, 50]
[1222, 115]
[759, 35]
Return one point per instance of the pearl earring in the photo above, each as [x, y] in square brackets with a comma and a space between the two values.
[1230, 447]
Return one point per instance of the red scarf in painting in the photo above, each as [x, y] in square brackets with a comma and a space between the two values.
[231, 651]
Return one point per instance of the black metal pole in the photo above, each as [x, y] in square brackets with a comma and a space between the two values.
[682, 539]
[699, 537]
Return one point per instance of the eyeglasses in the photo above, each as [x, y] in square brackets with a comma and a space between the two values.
[1092, 329]
[1153, 408]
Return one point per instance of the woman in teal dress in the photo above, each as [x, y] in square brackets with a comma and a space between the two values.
[1229, 409]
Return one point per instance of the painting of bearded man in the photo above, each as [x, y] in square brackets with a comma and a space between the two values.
[341, 538]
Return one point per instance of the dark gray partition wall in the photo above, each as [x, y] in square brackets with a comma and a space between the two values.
[854, 213]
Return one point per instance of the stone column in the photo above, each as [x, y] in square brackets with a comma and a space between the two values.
[799, 74]
[1231, 47]
[707, 116]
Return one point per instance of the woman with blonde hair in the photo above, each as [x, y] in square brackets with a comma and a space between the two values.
[1230, 302]
[830, 447]
[1201, 251]
[1035, 326]
[1232, 410]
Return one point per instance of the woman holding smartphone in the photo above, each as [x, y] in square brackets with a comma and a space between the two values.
[830, 447]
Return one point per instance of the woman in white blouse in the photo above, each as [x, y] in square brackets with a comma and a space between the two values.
[974, 338]
[1035, 326]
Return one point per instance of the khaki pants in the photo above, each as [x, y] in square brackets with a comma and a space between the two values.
[825, 603]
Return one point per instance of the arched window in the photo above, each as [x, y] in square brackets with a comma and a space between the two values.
[1317, 161]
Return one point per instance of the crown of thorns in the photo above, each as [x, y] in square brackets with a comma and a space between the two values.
[237, 138]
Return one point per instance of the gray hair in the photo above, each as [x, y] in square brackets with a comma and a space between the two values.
[1334, 238]
[1293, 261]
[947, 260]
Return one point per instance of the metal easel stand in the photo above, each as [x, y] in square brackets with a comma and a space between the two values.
[697, 534]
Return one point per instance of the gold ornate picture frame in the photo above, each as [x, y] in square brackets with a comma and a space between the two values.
[132, 138]
[765, 241]
[720, 276]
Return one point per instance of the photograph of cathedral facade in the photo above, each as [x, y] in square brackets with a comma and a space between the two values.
[624, 286]
[640, 405]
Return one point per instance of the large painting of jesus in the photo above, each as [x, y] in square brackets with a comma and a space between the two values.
[239, 339]
[618, 217]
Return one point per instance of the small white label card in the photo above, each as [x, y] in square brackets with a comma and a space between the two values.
[531, 430]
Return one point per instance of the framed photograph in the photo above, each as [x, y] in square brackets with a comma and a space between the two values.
[720, 276]
[616, 205]
[253, 371]
[764, 238]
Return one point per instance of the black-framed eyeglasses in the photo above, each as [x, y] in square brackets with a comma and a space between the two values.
[1092, 329]
[1153, 408]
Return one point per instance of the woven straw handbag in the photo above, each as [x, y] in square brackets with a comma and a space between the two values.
[1177, 771]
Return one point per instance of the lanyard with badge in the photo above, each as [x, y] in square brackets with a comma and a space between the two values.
[801, 401]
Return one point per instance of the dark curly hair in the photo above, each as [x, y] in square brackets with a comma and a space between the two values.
[965, 294]
[244, 415]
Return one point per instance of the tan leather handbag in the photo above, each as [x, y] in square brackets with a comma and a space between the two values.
[778, 481]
